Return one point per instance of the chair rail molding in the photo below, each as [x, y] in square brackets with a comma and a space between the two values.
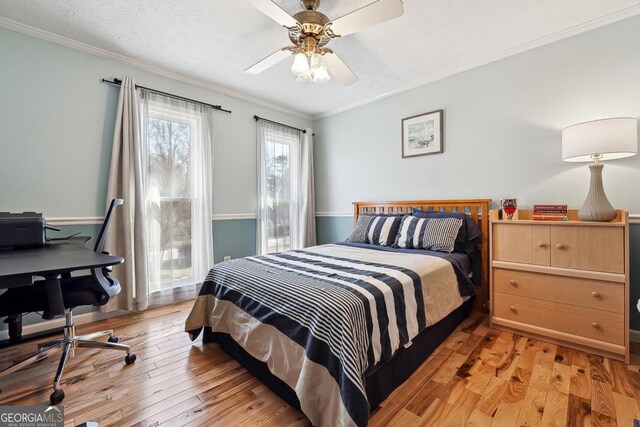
[233, 216]
[334, 214]
[91, 220]
[88, 220]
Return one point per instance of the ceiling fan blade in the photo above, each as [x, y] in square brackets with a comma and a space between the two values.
[274, 12]
[339, 69]
[268, 62]
[368, 16]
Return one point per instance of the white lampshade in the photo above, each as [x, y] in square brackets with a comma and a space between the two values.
[300, 65]
[609, 138]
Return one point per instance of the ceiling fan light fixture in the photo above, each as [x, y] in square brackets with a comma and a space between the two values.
[300, 64]
[304, 78]
[316, 62]
[321, 74]
[310, 31]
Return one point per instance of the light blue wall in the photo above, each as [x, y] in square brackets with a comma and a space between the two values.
[502, 130]
[56, 130]
[333, 229]
[503, 126]
[234, 238]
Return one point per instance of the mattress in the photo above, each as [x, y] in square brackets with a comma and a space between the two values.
[322, 317]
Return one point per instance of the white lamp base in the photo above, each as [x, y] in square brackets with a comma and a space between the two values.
[596, 207]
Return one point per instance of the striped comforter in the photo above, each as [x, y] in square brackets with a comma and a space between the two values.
[320, 317]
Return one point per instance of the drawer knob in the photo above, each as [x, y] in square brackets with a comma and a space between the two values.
[542, 245]
[596, 325]
[513, 308]
[513, 283]
[595, 294]
[560, 246]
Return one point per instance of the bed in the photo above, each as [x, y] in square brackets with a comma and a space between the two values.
[334, 329]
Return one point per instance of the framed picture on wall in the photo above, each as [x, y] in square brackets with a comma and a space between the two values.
[423, 134]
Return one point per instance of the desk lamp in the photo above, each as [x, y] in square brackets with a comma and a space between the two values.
[598, 140]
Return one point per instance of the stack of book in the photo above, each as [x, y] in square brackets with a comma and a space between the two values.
[549, 212]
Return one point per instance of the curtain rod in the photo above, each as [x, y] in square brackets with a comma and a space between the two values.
[256, 118]
[118, 82]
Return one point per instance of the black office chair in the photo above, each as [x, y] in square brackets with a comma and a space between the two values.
[92, 289]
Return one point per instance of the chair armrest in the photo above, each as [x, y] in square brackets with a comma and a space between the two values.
[108, 269]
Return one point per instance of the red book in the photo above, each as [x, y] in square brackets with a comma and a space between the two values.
[552, 207]
[550, 212]
[549, 218]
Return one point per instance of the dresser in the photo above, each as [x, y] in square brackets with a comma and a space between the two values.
[565, 282]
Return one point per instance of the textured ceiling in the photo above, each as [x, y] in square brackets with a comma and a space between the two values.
[215, 40]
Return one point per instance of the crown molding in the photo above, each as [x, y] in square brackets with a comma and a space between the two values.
[541, 41]
[74, 44]
[83, 47]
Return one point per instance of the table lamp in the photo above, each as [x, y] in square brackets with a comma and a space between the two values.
[598, 140]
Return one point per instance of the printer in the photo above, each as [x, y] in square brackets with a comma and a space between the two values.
[21, 230]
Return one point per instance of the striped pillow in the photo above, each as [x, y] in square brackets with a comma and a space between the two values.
[411, 232]
[359, 234]
[440, 234]
[382, 230]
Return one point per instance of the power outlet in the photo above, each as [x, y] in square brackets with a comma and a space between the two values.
[226, 258]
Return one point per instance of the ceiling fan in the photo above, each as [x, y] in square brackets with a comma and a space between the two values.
[310, 31]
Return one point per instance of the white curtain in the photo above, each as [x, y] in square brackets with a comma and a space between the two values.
[286, 213]
[178, 153]
[307, 206]
[126, 236]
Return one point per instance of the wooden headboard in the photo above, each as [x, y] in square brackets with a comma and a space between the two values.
[477, 209]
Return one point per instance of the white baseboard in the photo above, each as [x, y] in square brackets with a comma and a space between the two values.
[48, 325]
[634, 335]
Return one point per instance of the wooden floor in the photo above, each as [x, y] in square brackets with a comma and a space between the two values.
[478, 377]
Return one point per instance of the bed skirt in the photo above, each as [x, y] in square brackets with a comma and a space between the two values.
[380, 381]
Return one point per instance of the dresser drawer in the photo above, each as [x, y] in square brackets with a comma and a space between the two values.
[586, 322]
[600, 295]
[522, 243]
[588, 248]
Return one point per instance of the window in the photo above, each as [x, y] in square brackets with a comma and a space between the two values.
[279, 166]
[169, 203]
[178, 226]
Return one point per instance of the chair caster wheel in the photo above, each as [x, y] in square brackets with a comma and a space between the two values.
[56, 397]
[129, 358]
[113, 339]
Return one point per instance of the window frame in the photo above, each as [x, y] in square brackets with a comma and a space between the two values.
[272, 136]
[193, 121]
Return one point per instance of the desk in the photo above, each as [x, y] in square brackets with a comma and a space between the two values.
[20, 267]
